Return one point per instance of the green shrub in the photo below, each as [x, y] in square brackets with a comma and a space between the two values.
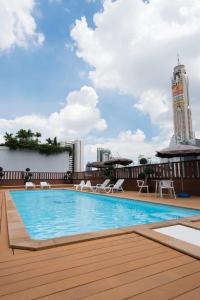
[143, 161]
[26, 139]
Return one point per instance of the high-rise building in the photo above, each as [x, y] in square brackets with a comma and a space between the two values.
[76, 158]
[183, 132]
[103, 154]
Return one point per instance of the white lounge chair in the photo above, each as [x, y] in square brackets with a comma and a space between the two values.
[80, 185]
[141, 184]
[117, 187]
[29, 185]
[167, 185]
[100, 187]
[44, 184]
[87, 186]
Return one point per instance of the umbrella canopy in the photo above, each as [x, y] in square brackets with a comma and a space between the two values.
[179, 151]
[118, 161]
[96, 164]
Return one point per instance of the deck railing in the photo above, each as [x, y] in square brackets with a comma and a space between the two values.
[19, 175]
[174, 170]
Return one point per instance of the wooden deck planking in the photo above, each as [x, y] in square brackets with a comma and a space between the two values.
[149, 267]
[119, 267]
[155, 281]
[193, 295]
[89, 256]
[79, 247]
[61, 264]
[172, 289]
[5, 251]
[77, 275]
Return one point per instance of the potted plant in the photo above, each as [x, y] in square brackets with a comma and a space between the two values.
[1, 173]
[28, 175]
[109, 173]
[148, 170]
[68, 177]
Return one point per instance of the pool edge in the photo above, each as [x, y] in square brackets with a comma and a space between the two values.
[20, 239]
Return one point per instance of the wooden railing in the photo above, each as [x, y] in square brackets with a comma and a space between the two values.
[19, 175]
[175, 170]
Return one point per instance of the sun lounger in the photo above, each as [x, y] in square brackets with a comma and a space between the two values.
[29, 185]
[117, 187]
[87, 186]
[44, 184]
[80, 185]
[101, 187]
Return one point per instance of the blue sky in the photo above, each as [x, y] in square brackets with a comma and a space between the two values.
[37, 79]
[113, 53]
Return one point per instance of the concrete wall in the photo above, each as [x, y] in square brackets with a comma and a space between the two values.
[19, 160]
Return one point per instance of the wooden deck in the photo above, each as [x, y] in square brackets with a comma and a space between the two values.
[120, 267]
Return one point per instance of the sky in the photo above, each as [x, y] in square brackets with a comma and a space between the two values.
[97, 70]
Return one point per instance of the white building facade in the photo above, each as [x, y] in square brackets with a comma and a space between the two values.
[19, 160]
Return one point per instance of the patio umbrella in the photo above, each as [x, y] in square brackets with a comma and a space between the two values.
[96, 164]
[118, 161]
[180, 151]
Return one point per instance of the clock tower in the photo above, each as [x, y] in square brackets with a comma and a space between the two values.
[183, 132]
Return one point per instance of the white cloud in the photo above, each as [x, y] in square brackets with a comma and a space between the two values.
[155, 103]
[128, 144]
[17, 25]
[133, 49]
[79, 116]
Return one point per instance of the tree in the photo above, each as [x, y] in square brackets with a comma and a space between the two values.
[49, 141]
[11, 141]
[8, 136]
[30, 134]
[37, 134]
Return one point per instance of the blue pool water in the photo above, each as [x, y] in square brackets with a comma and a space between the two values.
[56, 213]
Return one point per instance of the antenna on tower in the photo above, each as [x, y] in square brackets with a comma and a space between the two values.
[178, 59]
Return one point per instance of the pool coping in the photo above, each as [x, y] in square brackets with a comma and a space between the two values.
[20, 239]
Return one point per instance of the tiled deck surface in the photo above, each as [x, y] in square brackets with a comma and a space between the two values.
[120, 267]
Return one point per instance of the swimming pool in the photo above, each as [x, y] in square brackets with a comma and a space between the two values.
[57, 213]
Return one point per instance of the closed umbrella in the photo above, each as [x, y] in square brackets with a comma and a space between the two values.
[180, 151]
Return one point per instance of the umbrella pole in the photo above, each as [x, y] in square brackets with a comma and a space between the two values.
[181, 174]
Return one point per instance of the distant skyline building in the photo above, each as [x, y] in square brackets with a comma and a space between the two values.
[183, 131]
[76, 158]
[103, 154]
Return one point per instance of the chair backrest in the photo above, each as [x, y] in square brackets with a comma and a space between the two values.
[140, 183]
[166, 183]
[43, 183]
[88, 183]
[82, 183]
[105, 183]
[119, 183]
[29, 184]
